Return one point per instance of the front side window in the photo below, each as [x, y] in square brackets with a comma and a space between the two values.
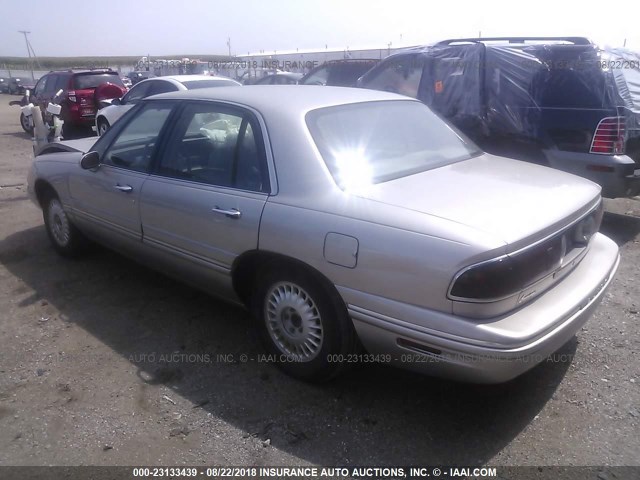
[216, 146]
[134, 146]
[52, 80]
[375, 142]
[41, 85]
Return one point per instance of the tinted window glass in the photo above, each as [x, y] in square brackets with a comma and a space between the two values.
[92, 80]
[217, 147]
[569, 88]
[319, 77]
[62, 83]
[137, 93]
[379, 141]
[347, 74]
[41, 85]
[401, 75]
[268, 80]
[52, 80]
[160, 86]
[283, 80]
[193, 84]
[133, 147]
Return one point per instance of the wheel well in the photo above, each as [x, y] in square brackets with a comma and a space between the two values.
[43, 189]
[101, 119]
[247, 267]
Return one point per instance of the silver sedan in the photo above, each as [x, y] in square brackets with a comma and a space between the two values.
[356, 225]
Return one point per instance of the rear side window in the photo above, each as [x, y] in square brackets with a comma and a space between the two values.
[216, 146]
[62, 83]
[93, 80]
[160, 86]
[193, 84]
[568, 88]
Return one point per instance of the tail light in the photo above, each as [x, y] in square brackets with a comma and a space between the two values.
[609, 136]
[505, 276]
[71, 94]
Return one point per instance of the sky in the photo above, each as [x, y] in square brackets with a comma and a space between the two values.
[160, 28]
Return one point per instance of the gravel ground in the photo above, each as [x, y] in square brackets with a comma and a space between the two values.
[104, 362]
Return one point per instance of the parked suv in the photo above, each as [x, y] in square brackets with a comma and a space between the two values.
[82, 92]
[17, 86]
[561, 102]
[338, 73]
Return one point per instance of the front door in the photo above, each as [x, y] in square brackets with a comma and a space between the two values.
[106, 200]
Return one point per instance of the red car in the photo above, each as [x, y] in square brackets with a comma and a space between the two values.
[82, 92]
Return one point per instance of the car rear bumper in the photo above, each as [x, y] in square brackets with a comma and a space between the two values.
[492, 350]
[618, 175]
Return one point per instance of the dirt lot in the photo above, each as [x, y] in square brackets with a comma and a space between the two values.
[102, 362]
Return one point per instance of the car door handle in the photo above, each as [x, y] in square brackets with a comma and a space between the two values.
[124, 188]
[233, 213]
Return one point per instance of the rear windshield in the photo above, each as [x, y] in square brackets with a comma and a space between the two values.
[193, 84]
[92, 80]
[376, 142]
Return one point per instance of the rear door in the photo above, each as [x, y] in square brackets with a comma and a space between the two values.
[204, 199]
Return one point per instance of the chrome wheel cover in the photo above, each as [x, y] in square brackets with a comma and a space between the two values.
[293, 321]
[58, 223]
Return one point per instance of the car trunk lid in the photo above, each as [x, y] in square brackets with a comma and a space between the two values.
[517, 202]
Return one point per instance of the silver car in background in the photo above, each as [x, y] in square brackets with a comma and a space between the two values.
[343, 219]
[113, 109]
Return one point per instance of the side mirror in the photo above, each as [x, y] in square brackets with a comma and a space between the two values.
[116, 101]
[90, 161]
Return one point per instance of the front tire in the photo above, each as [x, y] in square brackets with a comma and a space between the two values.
[66, 239]
[103, 126]
[303, 323]
[25, 123]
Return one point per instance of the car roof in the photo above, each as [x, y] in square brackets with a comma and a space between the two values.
[192, 78]
[295, 98]
[97, 71]
[179, 80]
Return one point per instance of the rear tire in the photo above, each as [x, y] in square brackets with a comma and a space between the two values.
[67, 240]
[303, 323]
